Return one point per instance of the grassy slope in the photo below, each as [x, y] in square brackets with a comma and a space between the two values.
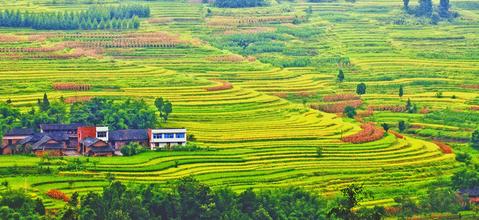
[262, 140]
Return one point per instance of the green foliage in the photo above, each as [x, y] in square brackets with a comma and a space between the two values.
[464, 157]
[402, 125]
[190, 199]
[401, 91]
[385, 126]
[95, 17]
[17, 203]
[341, 75]
[407, 206]
[350, 111]
[475, 139]
[441, 199]
[132, 149]
[361, 89]
[465, 179]
[424, 8]
[346, 205]
[130, 113]
[164, 107]
[239, 3]
[410, 108]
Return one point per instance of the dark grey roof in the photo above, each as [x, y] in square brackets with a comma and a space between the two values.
[20, 132]
[39, 144]
[89, 141]
[129, 135]
[105, 149]
[470, 192]
[52, 146]
[60, 127]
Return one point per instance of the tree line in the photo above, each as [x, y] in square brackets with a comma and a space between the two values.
[116, 114]
[425, 8]
[95, 17]
[239, 3]
[187, 198]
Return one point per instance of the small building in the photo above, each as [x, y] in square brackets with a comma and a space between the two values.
[11, 138]
[472, 194]
[95, 147]
[120, 138]
[166, 137]
[53, 146]
[63, 139]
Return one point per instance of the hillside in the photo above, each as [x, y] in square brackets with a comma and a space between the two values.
[258, 87]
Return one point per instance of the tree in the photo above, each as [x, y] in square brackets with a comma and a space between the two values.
[385, 126]
[350, 111]
[351, 196]
[167, 110]
[401, 91]
[239, 4]
[401, 125]
[361, 89]
[464, 157]
[45, 104]
[248, 202]
[341, 75]
[407, 206]
[406, 4]
[319, 151]
[410, 108]
[136, 22]
[424, 8]
[39, 207]
[444, 8]
[475, 139]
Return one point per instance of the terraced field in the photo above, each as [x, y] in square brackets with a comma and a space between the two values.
[262, 132]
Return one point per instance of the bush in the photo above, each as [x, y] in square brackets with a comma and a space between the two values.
[350, 111]
[132, 149]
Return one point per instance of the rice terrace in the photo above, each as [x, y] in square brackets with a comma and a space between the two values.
[321, 97]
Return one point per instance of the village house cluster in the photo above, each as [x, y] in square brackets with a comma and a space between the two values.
[78, 139]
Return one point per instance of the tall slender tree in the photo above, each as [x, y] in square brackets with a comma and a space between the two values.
[444, 8]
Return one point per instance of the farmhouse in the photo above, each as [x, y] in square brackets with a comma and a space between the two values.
[11, 138]
[67, 139]
[472, 194]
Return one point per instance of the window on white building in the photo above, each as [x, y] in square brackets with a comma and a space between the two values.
[180, 135]
[169, 135]
[101, 134]
[157, 136]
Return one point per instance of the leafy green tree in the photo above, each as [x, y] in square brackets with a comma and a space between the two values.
[475, 139]
[424, 8]
[361, 89]
[444, 8]
[465, 179]
[45, 104]
[350, 111]
[402, 125]
[239, 4]
[464, 157]
[441, 199]
[248, 202]
[407, 206]
[351, 196]
[385, 126]
[401, 91]
[341, 75]
[405, 4]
